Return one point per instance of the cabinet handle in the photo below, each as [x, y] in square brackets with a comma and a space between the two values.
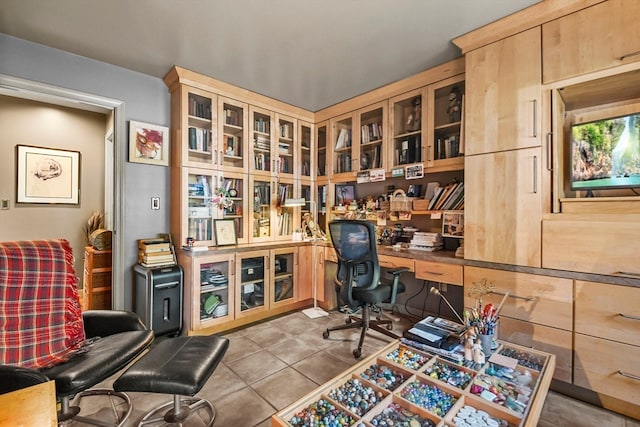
[535, 118]
[535, 174]
[628, 316]
[629, 55]
[549, 148]
[513, 296]
[428, 152]
[628, 375]
[627, 273]
[435, 273]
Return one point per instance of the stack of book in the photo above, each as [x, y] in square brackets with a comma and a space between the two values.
[423, 241]
[155, 253]
[447, 198]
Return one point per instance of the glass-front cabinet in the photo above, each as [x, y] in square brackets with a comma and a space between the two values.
[260, 218]
[285, 216]
[232, 149]
[210, 299]
[343, 158]
[322, 159]
[261, 161]
[373, 124]
[199, 127]
[306, 151]
[252, 294]
[235, 186]
[197, 207]
[284, 268]
[407, 118]
[285, 155]
[446, 124]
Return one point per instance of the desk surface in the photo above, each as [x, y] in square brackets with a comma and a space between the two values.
[540, 367]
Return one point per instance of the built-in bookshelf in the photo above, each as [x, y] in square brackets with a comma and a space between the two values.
[261, 142]
[321, 145]
[407, 120]
[232, 149]
[446, 123]
[372, 128]
[286, 149]
[200, 129]
[306, 156]
[342, 146]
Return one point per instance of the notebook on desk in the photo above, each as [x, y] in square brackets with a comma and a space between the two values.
[435, 332]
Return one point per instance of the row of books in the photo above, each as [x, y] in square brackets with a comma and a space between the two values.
[344, 139]
[343, 163]
[448, 198]
[285, 130]
[199, 139]
[233, 117]
[424, 241]
[155, 252]
[261, 162]
[371, 132]
[201, 109]
[200, 228]
[232, 145]
[262, 125]
[408, 150]
[446, 148]
[284, 223]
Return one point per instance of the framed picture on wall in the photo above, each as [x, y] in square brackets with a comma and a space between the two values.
[148, 143]
[345, 194]
[47, 175]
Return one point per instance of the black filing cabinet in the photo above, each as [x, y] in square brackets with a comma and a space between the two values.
[159, 298]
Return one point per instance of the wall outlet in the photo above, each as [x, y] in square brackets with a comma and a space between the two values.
[4, 204]
[442, 287]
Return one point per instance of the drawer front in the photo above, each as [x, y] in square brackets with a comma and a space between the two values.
[439, 272]
[544, 338]
[608, 311]
[387, 261]
[602, 247]
[538, 299]
[597, 366]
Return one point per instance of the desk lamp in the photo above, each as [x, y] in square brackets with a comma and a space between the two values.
[435, 291]
[315, 311]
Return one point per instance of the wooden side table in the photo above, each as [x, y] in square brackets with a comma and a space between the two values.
[97, 279]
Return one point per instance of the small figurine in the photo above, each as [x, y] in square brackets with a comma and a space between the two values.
[478, 354]
[469, 339]
[455, 105]
[413, 120]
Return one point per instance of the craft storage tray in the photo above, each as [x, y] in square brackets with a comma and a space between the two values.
[412, 374]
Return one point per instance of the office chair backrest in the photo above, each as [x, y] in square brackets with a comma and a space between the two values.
[355, 245]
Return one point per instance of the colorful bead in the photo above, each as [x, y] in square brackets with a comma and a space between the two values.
[397, 416]
[383, 376]
[406, 357]
[321, 414]
[429, 397]
[356, 396]
[449, 374]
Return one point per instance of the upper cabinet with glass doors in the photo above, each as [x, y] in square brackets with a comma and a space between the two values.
[407, 118]
[261, 162]
[322, 159]
[445, 121]
[372, 148]
[306, 151]
[342, 148]
[233, 147]
[285, 152]
[196, 126]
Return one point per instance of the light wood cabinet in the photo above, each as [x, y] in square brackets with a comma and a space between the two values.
[407, 117]
[503, 93]
[306, 152]
[323, 159]
[439, 272]
[392, 262]
[286, 149]
[97, 279]
[592, 244]
[341, 147]
[503, 207]
[372, 147]
[232, 152]
[596, 38]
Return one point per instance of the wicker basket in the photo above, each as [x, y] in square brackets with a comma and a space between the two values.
[400, 202]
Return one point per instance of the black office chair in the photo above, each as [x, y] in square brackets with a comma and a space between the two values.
[358, 278]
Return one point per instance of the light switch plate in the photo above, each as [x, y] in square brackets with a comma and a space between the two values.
[4, 204]
[155, 203]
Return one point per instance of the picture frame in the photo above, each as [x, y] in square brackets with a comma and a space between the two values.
[345, 194]
[148, 143]
[453, 224]
[225, 232]
[47, 175]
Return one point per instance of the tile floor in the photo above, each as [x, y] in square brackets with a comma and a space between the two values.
[270, 365]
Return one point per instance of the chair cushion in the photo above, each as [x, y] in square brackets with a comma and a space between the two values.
[40, 315]
[381, 293]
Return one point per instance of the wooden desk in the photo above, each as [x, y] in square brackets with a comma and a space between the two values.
[33, 406]
[539, 386]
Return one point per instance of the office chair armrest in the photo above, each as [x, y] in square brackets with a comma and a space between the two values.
[396, 280]
[102, 323]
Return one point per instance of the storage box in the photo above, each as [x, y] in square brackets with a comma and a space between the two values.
[421, 204]
[252, 271]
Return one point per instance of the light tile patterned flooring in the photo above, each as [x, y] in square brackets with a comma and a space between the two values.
[272, 364]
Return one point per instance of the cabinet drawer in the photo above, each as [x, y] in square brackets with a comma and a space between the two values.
[591, 246]
[544, 338]
[439, 272]
[598, 364]
[608, 311]
[388, 261]
[538, 299]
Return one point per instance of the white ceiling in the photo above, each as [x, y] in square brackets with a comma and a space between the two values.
[309, 53]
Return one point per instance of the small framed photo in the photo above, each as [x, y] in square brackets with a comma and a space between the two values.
[453, 224]
[225, 232]
[148, 143]
[345, 194]
[47, 175]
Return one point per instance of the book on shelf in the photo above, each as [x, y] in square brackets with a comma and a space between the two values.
[195, 248]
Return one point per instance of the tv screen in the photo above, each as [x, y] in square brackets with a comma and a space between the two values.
[605, 154]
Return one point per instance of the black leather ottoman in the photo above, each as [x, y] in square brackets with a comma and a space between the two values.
[178, 366]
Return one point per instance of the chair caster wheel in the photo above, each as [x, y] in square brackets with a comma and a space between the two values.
[348, 320]
[357, 353]
[389, 327]
[325, 334]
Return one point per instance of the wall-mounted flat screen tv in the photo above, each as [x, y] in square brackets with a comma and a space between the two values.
[605, 154]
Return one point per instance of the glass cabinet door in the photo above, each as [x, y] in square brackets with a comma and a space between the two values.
[200, 128]
[214, 295]
[252, 292]
[284, 267]
[342, 155]
[199, 210]
[372, 137]
[407, 119]
[232, 147]
[260, 219]
[261, 143]
[235, 185]
[306, 156]
[285, 155]
[322, 157]
[285, 216]
[446, 119]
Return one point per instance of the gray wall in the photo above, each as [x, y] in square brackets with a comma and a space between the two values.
[146, 99]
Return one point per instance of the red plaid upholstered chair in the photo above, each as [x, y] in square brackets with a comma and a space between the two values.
[43, 329]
